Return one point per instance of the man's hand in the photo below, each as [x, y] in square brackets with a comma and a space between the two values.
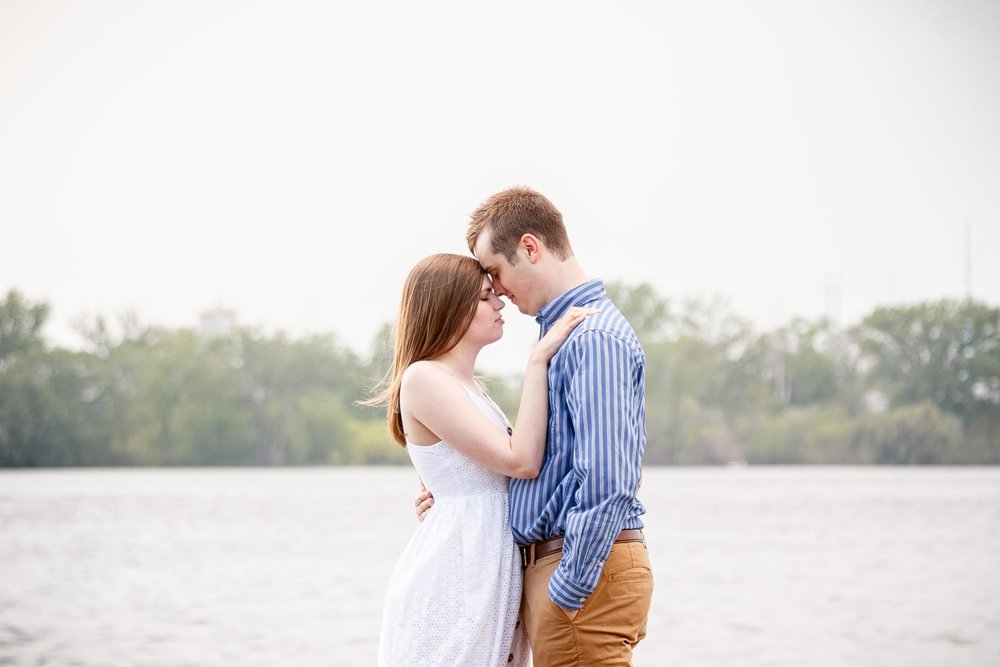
[570, 613]
[423, 502]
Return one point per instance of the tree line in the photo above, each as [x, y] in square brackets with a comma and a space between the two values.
[909, 384]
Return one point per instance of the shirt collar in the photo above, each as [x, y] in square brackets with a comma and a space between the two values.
[580, 295]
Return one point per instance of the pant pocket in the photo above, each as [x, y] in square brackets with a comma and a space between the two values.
[632, 574]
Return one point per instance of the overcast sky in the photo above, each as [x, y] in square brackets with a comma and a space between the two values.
[293, 160]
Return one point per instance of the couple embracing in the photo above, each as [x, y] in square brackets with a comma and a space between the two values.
[530, 533]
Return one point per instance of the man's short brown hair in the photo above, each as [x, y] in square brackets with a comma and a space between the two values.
[511, 214]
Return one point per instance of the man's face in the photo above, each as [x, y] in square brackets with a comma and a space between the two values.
[515, 281]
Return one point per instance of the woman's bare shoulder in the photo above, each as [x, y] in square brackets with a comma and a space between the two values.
[420, 370]
[422, 376]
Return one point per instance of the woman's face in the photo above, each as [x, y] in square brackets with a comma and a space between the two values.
[487, 325]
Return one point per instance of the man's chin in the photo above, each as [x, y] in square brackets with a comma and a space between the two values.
[524, 310]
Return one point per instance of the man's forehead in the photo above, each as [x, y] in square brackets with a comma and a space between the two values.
[485, 255]
[482, 244]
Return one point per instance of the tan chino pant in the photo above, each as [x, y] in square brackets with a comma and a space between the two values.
[611, 622]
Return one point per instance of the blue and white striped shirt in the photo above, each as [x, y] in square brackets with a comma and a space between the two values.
[586, 490]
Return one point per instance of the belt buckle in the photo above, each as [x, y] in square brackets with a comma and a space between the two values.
[527, 554]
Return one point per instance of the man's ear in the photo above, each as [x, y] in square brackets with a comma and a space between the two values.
[532, 245]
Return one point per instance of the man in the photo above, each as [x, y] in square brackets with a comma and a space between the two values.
[587, 578]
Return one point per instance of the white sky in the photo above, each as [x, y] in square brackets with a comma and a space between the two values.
[293, 160]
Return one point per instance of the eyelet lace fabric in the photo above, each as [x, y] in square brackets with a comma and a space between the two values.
[454, 594]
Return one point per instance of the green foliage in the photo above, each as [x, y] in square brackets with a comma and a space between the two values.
[716, 391]
[45, 410]
[946, 352]
[916, 384]
[802, 365]
[20, 325]
[146, 396]
[919, 433]
[813, 434]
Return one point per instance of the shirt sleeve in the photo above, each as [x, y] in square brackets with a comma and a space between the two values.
[607, 459]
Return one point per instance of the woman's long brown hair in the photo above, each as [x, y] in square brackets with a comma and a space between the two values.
[440, 297]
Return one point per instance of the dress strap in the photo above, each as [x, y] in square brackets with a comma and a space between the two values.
[492, 406]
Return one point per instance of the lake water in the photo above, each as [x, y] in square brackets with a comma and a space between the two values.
[275, 567]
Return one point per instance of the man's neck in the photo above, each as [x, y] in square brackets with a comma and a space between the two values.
[565, 276]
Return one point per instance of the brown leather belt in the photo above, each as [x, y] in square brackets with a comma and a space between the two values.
[532, 552]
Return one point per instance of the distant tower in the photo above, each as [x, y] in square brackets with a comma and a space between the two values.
[217, 322]
[832, 293]
[968, 261]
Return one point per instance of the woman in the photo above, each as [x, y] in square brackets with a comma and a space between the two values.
[453, 597]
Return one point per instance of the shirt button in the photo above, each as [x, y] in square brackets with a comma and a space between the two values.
[583, 599]
[510, 658]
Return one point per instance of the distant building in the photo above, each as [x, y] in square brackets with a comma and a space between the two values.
[217, 322]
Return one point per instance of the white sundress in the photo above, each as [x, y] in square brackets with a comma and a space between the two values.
[454, 594]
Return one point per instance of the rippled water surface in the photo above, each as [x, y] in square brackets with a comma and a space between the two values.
[275, 567]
